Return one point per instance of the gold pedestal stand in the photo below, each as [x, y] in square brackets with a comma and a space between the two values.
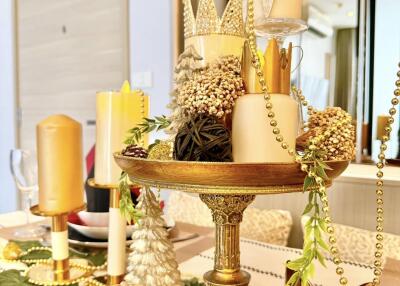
[227, 189]
[56, 272]
[114, 203]
[227, 213]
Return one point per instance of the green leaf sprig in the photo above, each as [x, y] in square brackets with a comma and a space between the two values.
[127, 207]
[315, 226]
[135, 137]
[148, 125]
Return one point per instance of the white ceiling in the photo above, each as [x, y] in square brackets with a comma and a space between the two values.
[342, 13]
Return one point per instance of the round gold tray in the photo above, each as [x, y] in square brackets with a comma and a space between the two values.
[221, 178]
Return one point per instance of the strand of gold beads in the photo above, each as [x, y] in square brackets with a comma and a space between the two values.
[279, 138]
[379, 184]
[334, 251]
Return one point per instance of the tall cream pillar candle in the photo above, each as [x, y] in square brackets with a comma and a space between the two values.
[59, 150]
[116, 113]
[286, 9]
[116, 243]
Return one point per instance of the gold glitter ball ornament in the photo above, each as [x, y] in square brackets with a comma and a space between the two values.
[161, 151]
[12, 251]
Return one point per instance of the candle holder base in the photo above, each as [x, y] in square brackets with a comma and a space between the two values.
[114, 214]
[36, 211]
[115, 280]
[43, 274]
[215, 278]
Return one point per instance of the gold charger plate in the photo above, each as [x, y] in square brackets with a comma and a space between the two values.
[220, 178]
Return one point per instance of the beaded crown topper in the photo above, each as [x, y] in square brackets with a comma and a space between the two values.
[208, 22]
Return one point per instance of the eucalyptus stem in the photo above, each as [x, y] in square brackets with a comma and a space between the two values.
[127, 207]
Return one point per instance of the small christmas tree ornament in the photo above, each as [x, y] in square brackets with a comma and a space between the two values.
[152, 261]
[189, 62]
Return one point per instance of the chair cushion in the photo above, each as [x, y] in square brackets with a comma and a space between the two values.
[270, 226]
[358, 245]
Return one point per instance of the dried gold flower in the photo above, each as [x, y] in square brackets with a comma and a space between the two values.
[214, 89]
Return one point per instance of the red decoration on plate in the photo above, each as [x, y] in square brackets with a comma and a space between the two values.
[75, 219]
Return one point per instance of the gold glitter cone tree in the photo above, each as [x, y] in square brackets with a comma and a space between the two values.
[152, 261]
[189, 62]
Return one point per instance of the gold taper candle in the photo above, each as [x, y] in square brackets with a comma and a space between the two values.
[59, 150]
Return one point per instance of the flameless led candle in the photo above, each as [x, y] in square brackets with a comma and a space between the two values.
[116, 113]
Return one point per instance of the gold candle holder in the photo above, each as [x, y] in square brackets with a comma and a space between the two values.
[58, 270]
[112, 278]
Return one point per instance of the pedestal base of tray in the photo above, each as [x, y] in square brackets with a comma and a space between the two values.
[215, 278]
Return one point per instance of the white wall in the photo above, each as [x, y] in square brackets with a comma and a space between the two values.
[387, 57]
[151, 51]
[314, 82]
[8, 194]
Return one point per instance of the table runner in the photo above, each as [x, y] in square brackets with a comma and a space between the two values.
[265, 262]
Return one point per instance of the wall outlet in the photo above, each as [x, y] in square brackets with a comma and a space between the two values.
[142, 79]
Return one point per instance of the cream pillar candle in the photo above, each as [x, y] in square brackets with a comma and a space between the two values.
[286, 9]
[59, 149]
[116, 113]
[116, 243]
[252, 135]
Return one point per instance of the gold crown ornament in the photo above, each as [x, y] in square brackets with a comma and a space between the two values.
[210, 35]
[276, 69]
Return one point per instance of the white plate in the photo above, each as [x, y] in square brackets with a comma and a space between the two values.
[101, 232]
[97, 232]
[101, 244]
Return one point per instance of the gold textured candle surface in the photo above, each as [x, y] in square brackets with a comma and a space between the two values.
[116, 113]
[286, 9]
[211, 47]
[59, 150]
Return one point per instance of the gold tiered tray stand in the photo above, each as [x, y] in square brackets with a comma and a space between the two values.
[227, 189]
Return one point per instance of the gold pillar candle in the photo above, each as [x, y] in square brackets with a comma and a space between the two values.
[212, 47]
[116, 113]
[286, 9]
[59, 150]
[381, 124]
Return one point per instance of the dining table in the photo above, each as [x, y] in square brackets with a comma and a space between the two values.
[194, 248]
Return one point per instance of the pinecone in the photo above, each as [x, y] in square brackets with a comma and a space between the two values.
[135, 151]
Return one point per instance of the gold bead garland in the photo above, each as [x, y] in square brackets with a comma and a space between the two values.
[269, 106]
[142, 113]
[48, 261]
